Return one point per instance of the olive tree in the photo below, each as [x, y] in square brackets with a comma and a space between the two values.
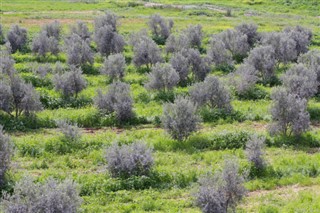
[160, 28]
[262, 58]
[6, 151]
[17, 37]
[162, 77]
[255, 151]
[78, 51]
[311, 61]
[222, 191]
[53, 30]
[219, 54]
[114, 66]
[70, 83]
[176, 43]
[180, 119]
[194, 34]
[82, 30]
[2, 38]
[108, 19]
[250, 30]
[300, 81]
[302, 36]
[211, 92]
[43, 44]
[289, 113]
[181, 64]
[117, 100]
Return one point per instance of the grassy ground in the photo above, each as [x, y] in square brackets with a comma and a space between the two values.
[292, 181]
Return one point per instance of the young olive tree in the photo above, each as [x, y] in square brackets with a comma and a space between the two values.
[263, 60]
[114, 66]
[108, 19]
[244, 78]
[222, 191]
[17, 37]
[146, 52]
[2, 38]
[82, 30]
[160, 28]
[6, 152]
[284, 46]
[255, 151]
[78, 51]
[117, 100]
[302, 36]
[162, 77]
[7, 64]
[176, 43]
[250, 30]
[70, 83]
[219, 54]
[53, 30]
[289, 113]
[235, 42]
[50, 197]
[300, 81]
[180, 119]
[311, 60]
[71, 132]
[43, 44]
[194, 34]
[181, 64]
[129, 160]
[211, 92]
[108, 41]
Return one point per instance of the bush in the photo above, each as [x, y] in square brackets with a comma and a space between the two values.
[117, 100]
[179, 118]
[211, 92]
[17, 37]
[255, 152]
[222, 191]
[48, 197]
[263, 60]
[129, 160]
[160, 28]
[78, 51]
[300, 81]
[114, 66]
[289, 113]
[70, 83]
[6, 151]
[70, 131]
[162, 77]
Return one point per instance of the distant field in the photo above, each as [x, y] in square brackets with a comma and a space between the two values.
[292, 186]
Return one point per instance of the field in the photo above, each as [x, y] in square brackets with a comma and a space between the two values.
[292, 180]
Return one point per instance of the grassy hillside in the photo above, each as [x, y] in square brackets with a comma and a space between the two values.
[292, 181]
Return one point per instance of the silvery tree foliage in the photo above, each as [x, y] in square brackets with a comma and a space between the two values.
[311, 61]
[180, 119]
[7, 64]
[41, 70]
[6, 151]
[181, 64]
[302, 36]
[289, 113]
[78, 51]
[53, 30]
[82, 30]
[255, 151]
[2, 38]
[43, 44]
[162, 77]
[244, 78]
[70, 131]
[250, 30]
[70, 83]
[194, 34]
[219, 54]
[129, 160]
[108, 19]
[114, 66]
[200, 66]
[49, 197]
[160, 28]
[235, 42]
[284, 47]
[146, 51]
[108, 41]
[211, 92]
[300, 81]
[176, 43]
[17, 37]
[117, 100]
[263, 60]
[222, 191]
[19, 97]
